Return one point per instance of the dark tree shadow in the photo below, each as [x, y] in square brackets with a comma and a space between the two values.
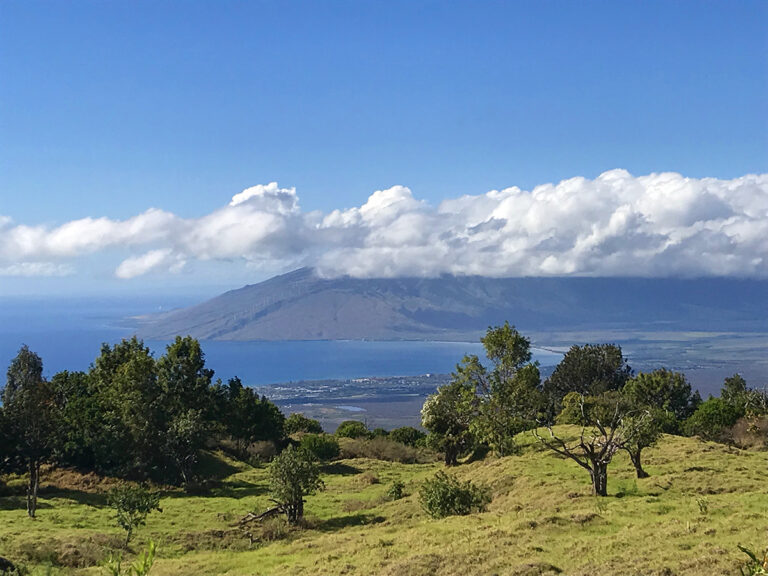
[339, 522]
[340, 469]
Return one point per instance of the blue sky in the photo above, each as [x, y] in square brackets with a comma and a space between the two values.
[108, 109]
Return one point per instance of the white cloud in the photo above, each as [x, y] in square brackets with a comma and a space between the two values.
[615, 225]
[29, 269]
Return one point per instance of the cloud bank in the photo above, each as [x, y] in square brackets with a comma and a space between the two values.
[615, 225]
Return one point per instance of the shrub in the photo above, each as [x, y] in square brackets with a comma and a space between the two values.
[382, 432]
[352, 429]
[141, 567]
[293, 475]
[132, 504]
[321, 446]
[445, 495]
[757, 564]
[407, 435]
[384, 449]
[297, 422]
[711, 420]
[396, 490]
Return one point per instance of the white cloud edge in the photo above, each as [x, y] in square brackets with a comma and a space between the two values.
[661, 224]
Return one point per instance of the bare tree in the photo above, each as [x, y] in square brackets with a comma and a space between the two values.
[601, 437]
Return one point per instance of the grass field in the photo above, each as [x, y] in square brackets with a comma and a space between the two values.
[701, 501]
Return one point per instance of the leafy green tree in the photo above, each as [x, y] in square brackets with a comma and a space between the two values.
[447, 416]
[132, 420]
[297, 422]
[508, 393]
[182, 377]
[80, 418]
[321, 446]
[407, 435]
[132, 505]
[665, 390]
[445, 495]
[711, 420]
[293, 474]
[352, 429]
[32, 418]
[643, 429]
[589, 370]
[250, 417]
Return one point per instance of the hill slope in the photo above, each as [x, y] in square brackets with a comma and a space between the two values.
[302, 306]
[687, 519]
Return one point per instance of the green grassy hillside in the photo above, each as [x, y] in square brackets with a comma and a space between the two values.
[701, 501]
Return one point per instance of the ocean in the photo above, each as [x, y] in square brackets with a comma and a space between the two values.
[68, 334]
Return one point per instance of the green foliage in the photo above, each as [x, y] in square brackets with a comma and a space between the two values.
[297, 422]
[249, 418]
[508, 395]
[132, 505]
[396, 490]
[590, 370]
[321, 446]
[141, 567]
[407, 435]
[30, 419]
[293, 474]
[352, 429]
[445, 495]
[756, 565]
[663, 390]
[379, 433]
[711, 420]
[447, 415]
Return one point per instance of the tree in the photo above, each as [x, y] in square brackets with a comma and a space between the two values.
[447, 416]
[132, 505]
[590, 370]
[352, 429]
[600, 438]
[293, 474]
[646, 428]
[81, 421]
[508, 394]
[407, 435]
[665, 390]
[321, 446]
[132, 426]
[711, 420]
[297, 422]
[250, 417]
[184, 380]
[31, 416]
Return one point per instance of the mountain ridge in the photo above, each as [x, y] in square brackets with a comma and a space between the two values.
[300, 305]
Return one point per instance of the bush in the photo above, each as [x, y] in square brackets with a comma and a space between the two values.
[445, 495]
[711, 420]
[132, 504]
[321, 446]
[396, 490]
[382, 432]
[352, 429]
[384, 449]
[297, 422]
[407, 435]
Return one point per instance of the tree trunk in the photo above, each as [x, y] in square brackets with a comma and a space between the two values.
[599, 474]
[451, 456]
[32, 487]
[635, 457]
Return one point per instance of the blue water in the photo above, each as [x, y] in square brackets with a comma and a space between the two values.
[68, 334]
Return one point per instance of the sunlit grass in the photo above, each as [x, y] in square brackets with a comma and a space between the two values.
[542, 516]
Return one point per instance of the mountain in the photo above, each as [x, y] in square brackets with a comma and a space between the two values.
[301, 305]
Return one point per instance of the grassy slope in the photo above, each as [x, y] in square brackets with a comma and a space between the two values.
[699, 503]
